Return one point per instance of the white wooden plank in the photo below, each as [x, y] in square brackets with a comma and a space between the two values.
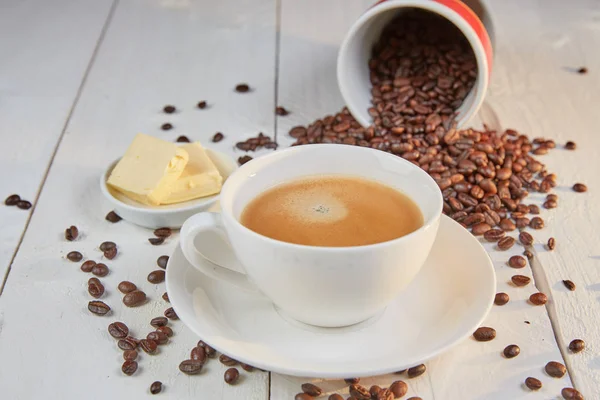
[42, 65]
[154, 53]
[307, 86]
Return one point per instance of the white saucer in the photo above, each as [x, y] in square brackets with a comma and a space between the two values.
[445, 303]
[169, 215]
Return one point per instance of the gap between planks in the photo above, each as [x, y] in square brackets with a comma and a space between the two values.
[109, 17]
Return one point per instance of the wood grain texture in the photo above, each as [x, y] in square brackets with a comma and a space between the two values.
[41, 68]
[155, 53]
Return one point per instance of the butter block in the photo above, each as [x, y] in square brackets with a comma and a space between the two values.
[149, 169]
[200, 177]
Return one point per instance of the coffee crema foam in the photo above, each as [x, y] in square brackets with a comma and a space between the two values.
[333, 211]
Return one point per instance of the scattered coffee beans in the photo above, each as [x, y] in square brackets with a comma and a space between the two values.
[480, 229]
[12, 200]
[95, 288]
[130, 355]
[74, 256]
[576, 345]
[570, 145]
[226, 360]
[182, 139]
[242, 88]
[171, 314]
[536, 223]
[166, 330]
[210, 352]
[282, 112]
[156, 241]
[167, 126]
[571, 394]
[399, 389]
[111, 253]
[528, 254]
[169, 109]
[484, 334]
[126, 287]
[158, 337]
[129, 367]
[98, 307]
[493, 235]
[525, 238]
[507, 225]
[247, 367]
[517, 262]
[352, 381]
[157, 276]
[149, 346]
[88, 265]
[71, 233]
[501, 299]
[506, 243]
[162, 261]
[118, 330]
[100, 270]
[385, 394]
[360, 392]
[579, 188]
[231, 376]
[416, 371]
[113, 217]
[511, 351]
[257, 142]
[156, 387]
[159, 321]
[190, 367]
[311, 389]
[538, 299]
[201, 105]
[198, 354]
[375, 391]
[244, 159]
[551, 243]
[163, 232]
[134, 299]
[165, 297]
[107, 246]
[520, 280]
[555, 369]
[127, 344]
[533, 383]
[24, 204]
[217, 137]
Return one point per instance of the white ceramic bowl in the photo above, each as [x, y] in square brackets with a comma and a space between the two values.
[171, 215]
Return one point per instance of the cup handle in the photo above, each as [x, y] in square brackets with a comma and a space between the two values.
[216, 257]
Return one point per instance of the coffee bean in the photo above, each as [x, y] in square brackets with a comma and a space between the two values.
[100, 270]
[555, 369]
[88, 265]
[335, 396]
[158, 337]
[501, 299]
[169, 109]
[282, 112]
[111, 253]
[98, 307]
[303, 396]
[247, 367]
[159, 321]
[480, 229]
[536, 223]
[525, 238]
[12, 200]
[399, 389]
[521, 222]
[127, 344]
[375, 390]
[157, 276]
[298, 132]
[198, 354]
[166, 330]
[162, 261]
[520, 280]
[576, 345]
[201, 105]
[569, 284]
[484, 334]
[571, 394]
[156, 387]
[416, 371]
[163, 232]
[243, 160]
[493, 235]
[506, 243]
[171, 314]
[167, 126]
[533, 383]
[134, 299]
[311, 389]
[549, 204]
[582, 70]
[113, 217]
[538, 299]
[226, 360]
[74, 256]
[182, 139]
[511, 351]
[129, 367]
[507, 225]
[217, 137]
[165, 297]
[130, 355]
[95, 288]
[107, 246]
[415, 398]
[118, 330]
[190, 367]
[579, 188]
[360, 392]
[210, 352]
[126, 287]
[551, 243]
[352, 381]
[71, 233]
[242, 88]
[149, 346]
[570, 145]
[517, 262]
[156, 241]
[23, 204]
[528, 254]
[384, 394]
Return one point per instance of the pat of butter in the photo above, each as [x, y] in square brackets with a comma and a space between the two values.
[148, 170]
[200, 178]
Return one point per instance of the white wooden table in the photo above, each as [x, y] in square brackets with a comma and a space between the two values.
[78, 79]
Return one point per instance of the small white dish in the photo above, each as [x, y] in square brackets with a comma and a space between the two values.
[171, 215]
[445, 303]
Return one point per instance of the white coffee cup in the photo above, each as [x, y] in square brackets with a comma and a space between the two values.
[323, 286]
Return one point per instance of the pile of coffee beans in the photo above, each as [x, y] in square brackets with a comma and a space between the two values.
[254, 143]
